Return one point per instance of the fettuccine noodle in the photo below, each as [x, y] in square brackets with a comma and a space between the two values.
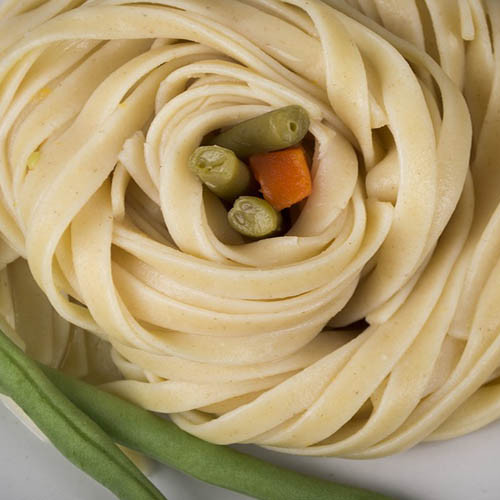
[140, 283]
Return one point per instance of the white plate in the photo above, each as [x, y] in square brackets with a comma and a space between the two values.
[461, 469]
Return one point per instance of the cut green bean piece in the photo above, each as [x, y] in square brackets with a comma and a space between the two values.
[254, 217]
[221, 171]
[278, 129]
[71, 431]
[223, 466]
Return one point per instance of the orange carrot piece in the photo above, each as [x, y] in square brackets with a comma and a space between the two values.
[284, 176]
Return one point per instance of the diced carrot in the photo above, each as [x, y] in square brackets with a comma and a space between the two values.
[284, 176]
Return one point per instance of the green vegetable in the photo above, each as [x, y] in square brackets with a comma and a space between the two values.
[221, 171]
[278, 129]
[223, 466]
[254, 217]
[73, 433]
[44, 393]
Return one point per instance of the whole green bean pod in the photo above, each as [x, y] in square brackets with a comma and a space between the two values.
[71, 431]
[278, 129]
[221, 171]
[223, 466]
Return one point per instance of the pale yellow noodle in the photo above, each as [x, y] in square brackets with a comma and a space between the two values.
[130, 277]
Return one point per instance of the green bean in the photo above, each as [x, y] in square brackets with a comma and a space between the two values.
[221, 171]
[71, 431]
[278, 129]
[223, 466]
[254, 217]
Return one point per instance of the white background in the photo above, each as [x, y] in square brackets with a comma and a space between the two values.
[466, 468]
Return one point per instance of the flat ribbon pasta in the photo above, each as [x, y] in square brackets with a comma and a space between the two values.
[371, 325]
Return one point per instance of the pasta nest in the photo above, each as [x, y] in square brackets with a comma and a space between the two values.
[372, 324]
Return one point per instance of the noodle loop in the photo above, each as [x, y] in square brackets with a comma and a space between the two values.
[371, 324]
